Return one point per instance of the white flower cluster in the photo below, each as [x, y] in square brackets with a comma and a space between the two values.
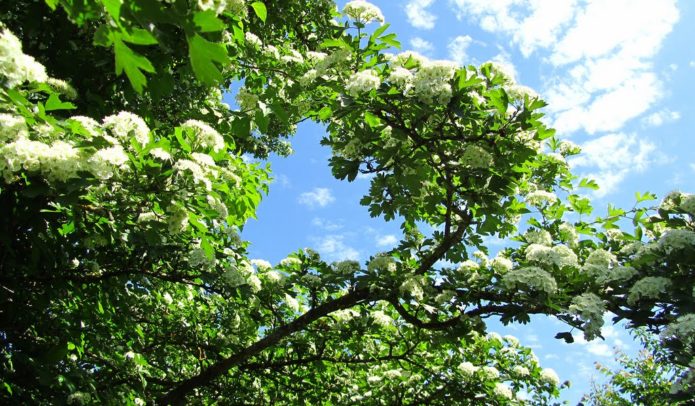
[616, 274]
[382, 319]
[569, 148]
[676, 240]
[590, 309]
[559, 255]
[125, 124]
[650, 287]
[683, 329]
[568, 234]
[177, 219]
[237, 7]
[401, 78]
[598, 262]
[431, 81]
[381, 263]
[503, 391]
[530, 278]
[12, 127]
[207, 136]
[363, 11]
[261, 264]
[414, 286]
[549, 376]
[539, 198]
[247, 101]
[199, 176]
[363, 82]
[197, 258]
[468, 266]
[290, 262]
[501, 264]
[476, 157]
[540, 237]
[467, 369]
[15, 66]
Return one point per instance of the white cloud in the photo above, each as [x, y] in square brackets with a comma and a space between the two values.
[613, 157]
[662, 117]
[282, 179]
[386, 240]
[601, 53]
[333, 248]
[599, 348]
[421, 45]
[418, 16]
[325, 224]
[458, 48]
[318, 197]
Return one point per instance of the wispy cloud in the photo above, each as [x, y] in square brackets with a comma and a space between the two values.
[320, 197]
[332, 247]
[662, 117]
[324, 224]
[613, 157]
[421, 45]
[458, 49]
[388, 240]
[418, 16]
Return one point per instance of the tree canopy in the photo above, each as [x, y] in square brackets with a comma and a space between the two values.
[126, 181]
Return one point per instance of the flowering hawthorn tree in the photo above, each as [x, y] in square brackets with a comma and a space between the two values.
[124, 189]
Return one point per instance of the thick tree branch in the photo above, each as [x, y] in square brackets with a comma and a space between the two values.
[177, 396]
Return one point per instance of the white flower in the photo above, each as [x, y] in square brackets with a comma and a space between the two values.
[539, 198]
[261, 264]
[590, 309]
[197, 258]
[217, 6]
[677, 239]
[568, 234]
[12, 127]
[477, 157]
[511, 340]
[217, 205]
[400, 77]
[253, 39]
[184, 165]
[540, 237]
[549, 376]
[167, 298]
[160, 154]
[650, 287]
[382, 319]
[177, 219]
[490, 373]
[503, 391]
[363, 82]
[598, 262]
[501, 264]
[468, 266]
[15, 66]
[106, 162]
[291, 302]
[431, 81]
[139, 402]
[530, 278]
[124, 125]
[207, 136]
[363, 11]
[521, 371]
[290, 262]
[467, 368]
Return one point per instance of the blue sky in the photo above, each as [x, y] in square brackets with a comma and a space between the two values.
[619, 77]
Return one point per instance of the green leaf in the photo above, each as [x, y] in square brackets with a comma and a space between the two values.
[113, 7]
[133, 64]
[54, 103]
[260, 10]
[207, 21]
[644, 197]
[589, 184]
[138, 36]
[203, 55]
[390, 39]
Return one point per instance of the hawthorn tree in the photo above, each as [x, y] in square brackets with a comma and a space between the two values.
[125, 186]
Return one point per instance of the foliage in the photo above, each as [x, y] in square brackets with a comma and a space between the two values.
[126, 180]
[643, 380]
